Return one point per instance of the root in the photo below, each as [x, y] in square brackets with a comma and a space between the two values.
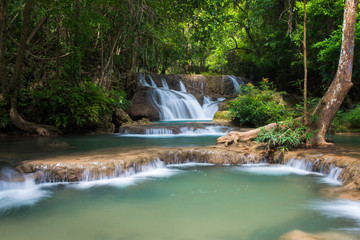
[18, 121]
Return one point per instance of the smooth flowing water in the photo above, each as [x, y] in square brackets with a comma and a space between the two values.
[188, 201]
[184, 202]
[174, 105]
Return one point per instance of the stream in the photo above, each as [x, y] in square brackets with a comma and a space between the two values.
[178, 201]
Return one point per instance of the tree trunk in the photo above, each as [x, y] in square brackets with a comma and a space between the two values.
[306, 120]
[3, 71]
[15, 81]
[234, 137]
[18, 69]
[328, 106]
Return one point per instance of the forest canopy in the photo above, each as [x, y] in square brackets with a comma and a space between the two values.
[76, 43]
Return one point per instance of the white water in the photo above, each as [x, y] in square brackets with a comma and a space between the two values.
[236, 82]
[17, 190]
[300, 164]
[189, 164]
[294, 166]
[177, 105]
[272, 170]
[182, 87]
[154, 170]
[183, 132]
[339, 209]
[333, 177]
[164, 84]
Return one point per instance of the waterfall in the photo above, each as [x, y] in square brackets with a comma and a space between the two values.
[333, 177]
[300, 164]
[180, 132]
[182, 87]
[164, 84]
[177, 105]
[210, 107]
[236, 83]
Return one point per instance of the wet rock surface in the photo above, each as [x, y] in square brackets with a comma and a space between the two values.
[113, 163]
[141, 107]
[77, 167]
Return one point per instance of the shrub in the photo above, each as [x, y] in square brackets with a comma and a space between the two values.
[347, 121]
[256, 106]
[66, 106]
[285, 135]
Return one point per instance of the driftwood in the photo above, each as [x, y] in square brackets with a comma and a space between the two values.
[235, 137]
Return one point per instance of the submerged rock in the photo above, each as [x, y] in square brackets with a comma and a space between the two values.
[299, 235]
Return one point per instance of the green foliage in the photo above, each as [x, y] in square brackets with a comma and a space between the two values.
[66, 106]
[117, 99]
[256, 106]
[4, 114]
[285, 135]
[347, 121]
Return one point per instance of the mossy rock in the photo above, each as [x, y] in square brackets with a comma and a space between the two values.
[222, 115]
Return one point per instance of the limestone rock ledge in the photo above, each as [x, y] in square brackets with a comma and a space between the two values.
[116, 164]
[82, 168]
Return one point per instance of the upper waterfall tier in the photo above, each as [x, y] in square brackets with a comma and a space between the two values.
[181, 97]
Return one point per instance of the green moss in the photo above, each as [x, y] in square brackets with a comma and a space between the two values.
[222, 115]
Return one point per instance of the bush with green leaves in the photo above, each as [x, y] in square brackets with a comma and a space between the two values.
[66, 106]
[347, 121]
[285, 135]
[256, 106]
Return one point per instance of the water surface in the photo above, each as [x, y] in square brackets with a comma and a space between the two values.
[195, 202]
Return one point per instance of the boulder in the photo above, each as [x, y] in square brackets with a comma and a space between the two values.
[105, 128]
[120, 117]
[141, 107]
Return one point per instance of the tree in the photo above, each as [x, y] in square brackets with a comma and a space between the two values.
[330, 103]
[306, 120]
[3, 72]
[15, 80]
[328, 106]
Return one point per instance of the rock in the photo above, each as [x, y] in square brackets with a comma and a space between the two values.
[76, 168]
[222, 116]
[197, 85]
[299, 235]
[120, 117]
[106, 128]
[141, 107]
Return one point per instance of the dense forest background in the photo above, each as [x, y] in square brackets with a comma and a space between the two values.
[80, 55]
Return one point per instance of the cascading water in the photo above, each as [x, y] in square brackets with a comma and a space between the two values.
[182, 87]
[236, 83]
[177, 105]
[175, 131]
